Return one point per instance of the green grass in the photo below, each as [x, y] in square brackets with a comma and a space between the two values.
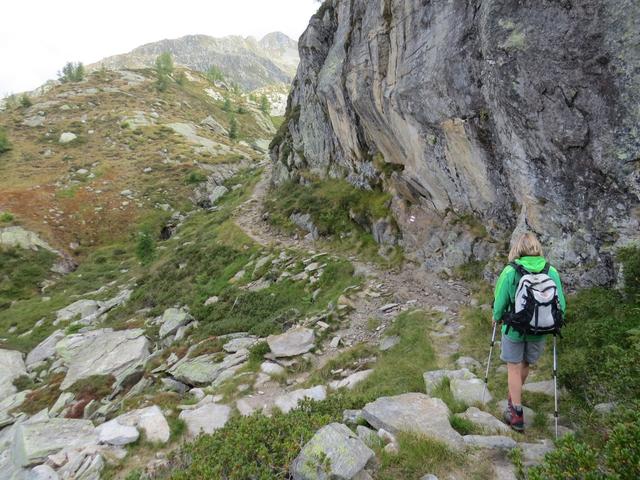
[420, 455]
[400, 369]
[21, 273]
[6, 217]
[342, 214]
[100, 268]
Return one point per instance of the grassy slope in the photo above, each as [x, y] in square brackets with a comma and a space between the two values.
[40, 187]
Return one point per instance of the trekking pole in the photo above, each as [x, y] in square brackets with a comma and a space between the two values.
[486, 374]
[555, 384]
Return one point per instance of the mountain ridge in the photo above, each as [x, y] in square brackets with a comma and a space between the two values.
[250, 62]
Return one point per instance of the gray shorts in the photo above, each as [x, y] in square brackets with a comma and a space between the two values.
[518, 352]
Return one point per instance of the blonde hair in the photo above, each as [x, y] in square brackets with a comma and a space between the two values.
[527, 245]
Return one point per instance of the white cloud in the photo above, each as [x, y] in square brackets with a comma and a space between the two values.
[37, 37]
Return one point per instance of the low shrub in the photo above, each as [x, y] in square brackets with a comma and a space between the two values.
[257, 447]
[5, 146]
[195, 176]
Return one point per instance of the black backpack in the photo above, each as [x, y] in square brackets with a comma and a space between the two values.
[536, 307]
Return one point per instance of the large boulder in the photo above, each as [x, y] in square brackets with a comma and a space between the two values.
[484, 420]
[45, 349]
[16, 236]
[79, 310]
[205, 419]
[103, 352]
[172, 320]
[498, 442]
[34, 441]
[413, 412]
[114, 433]
[42, 472]
[149, 420]
[295, 341]
[11, 367]
[289, 401]
[334, 452]
[205, 370]
[8, 403]
[235, 344]
[351, 381]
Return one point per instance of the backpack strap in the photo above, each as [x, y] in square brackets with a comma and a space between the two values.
[518, 268]
[546, 268]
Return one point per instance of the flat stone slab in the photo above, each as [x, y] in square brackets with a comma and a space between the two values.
[434, 378]
[485, 420]
[80, 309]
[351, 381]
[295, 341]
[8, 403]
[114, 433]
[388, 342]
[469, 391]
[150, 420]
[172, 320]
[289, 401]
[334, 452]
[206, 419]
[34, 441]
[45, 349]
[11, 367]
[498, 442]
[271, 368]
[103, 352]
[232, 346]
[413, 412]
[204, 369]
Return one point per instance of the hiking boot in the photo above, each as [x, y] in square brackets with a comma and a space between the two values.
[515, 418]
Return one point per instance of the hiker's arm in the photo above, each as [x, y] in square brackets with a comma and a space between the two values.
[501, 295]
[561, 299]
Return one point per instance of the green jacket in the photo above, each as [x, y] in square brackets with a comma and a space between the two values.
[505, 293]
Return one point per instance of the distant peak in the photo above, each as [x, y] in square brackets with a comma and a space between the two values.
[277, 39]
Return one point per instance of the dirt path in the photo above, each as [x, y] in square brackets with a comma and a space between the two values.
[409, 286]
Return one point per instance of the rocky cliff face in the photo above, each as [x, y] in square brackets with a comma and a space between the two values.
[482, 118]
[249, 62]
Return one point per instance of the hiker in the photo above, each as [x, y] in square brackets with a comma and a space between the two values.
[520, 346]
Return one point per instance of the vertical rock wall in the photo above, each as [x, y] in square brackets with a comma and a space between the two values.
[482, 118]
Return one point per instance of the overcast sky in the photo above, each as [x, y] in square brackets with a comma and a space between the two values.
[37, 37]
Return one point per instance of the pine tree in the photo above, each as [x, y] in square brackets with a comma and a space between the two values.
[71, 72]
[265, 106]
[233, 128]
[214, 74]
[164, 63]
[226, 106]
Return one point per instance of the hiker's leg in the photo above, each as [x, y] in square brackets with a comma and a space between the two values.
[514, 378]
[525, 371]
